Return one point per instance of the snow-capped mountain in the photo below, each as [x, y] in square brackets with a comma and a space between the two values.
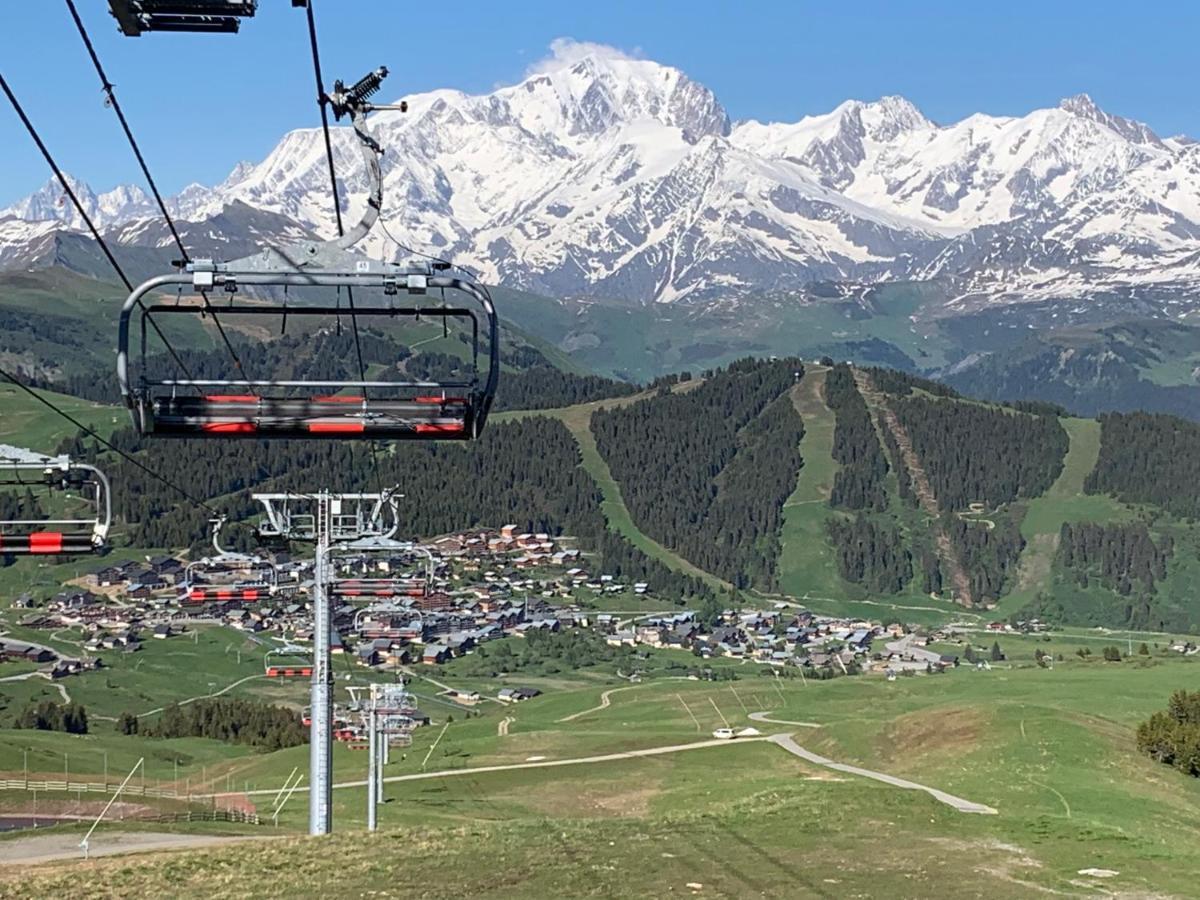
[51, 203]
[600, 175]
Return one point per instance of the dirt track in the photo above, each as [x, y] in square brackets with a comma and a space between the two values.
[47, 847]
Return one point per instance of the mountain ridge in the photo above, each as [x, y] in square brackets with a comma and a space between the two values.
[609, 177]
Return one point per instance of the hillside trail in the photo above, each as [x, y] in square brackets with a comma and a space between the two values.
[923, 490]
[605, 703]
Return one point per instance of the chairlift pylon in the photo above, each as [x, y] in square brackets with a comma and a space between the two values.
[28, 536]
[305, 408]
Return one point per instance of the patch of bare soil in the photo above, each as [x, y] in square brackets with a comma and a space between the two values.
[945, 731]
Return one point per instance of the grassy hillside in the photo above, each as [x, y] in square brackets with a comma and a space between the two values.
[806, 562]
[1051, 750]
[28, 423]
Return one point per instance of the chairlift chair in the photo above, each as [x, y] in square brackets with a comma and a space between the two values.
[136, 17]
[300, 667]
[347, 409]
[228, 577]
[46, 536]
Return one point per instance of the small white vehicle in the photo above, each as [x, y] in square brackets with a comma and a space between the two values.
[725, 734]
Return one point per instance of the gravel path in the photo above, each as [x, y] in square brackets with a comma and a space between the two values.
[967, 806]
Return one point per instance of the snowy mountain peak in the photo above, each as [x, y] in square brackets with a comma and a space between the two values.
[51, 203]
[888, 117]
[1085, 107]
[593, 92]
[603, 174]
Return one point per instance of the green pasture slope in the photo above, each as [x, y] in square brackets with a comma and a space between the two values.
[1064, 502]
[24, 422]
[806, 563]
[1050, 749]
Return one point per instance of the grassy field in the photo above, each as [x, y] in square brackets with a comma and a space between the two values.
[806, 563]
[27, 423]
[1051, 750]
[1065, 501]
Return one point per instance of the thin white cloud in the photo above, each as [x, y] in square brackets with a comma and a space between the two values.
[565, 51]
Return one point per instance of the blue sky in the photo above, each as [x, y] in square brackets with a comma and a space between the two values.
[199, 104]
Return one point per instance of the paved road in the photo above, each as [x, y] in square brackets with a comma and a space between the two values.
[24, 676]
[543, 764]
[47, 847]
[763, 717]
[906, 646]
[967, 806]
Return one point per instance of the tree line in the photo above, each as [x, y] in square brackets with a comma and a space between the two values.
[870, 553]
[45, 715]
[981, 454]
[1149, 458]
[1172, 736]
[858, 483]
[526, 472]
[706, 472]
[1119, 555]
[901, 384]
[229, 719]
[989, 555]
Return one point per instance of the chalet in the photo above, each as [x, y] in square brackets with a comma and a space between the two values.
[19, 650]
[435, 654]
[859, 641]
[107, 577]
[75, 599]
[651, 635]
[517, 695]
[167, 568]
[161, 631]
[367, 655]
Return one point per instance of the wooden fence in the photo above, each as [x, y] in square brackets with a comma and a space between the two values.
[88, 787]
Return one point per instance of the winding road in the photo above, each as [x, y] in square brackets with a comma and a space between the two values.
[967, 806]
[541, 764]
[228, 687]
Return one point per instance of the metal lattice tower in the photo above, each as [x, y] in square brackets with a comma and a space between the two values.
[389, 717]
[331, 521]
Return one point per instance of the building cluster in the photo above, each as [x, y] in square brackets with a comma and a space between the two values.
[771, 637]
[431, 603]
[425, 605]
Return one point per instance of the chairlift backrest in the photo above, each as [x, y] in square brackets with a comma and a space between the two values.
[28, 535]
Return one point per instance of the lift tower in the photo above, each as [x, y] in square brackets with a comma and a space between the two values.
[330, 521]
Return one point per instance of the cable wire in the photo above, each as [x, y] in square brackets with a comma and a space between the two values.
[322, 105]
[58, 173]
[111, 446]
[111, 96]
